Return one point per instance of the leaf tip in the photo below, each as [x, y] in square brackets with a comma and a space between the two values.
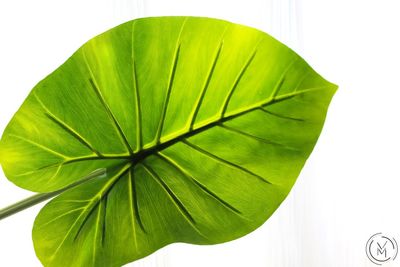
[335, 87]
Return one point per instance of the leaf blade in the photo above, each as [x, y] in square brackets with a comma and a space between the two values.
[211, 138]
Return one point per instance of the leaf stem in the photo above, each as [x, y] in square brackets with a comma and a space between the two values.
[38, 198]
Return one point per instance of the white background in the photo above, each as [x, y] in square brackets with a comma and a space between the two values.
[350, 186]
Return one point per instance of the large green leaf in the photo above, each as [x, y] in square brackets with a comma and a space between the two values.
[203, 126]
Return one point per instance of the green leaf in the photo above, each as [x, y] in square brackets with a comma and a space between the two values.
[203, 126]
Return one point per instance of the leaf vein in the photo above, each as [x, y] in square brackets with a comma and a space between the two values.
[39, 146]
[139, 130]
[92, 204]
[202, 187]
[237, 80]
[168, 95]
[200, 99]
[263, 140]
[170, 83]
[177, 202]
[68, 129]
[131, 212]
[224, 161]
[281, 116]
[135, 202]
[110, 114]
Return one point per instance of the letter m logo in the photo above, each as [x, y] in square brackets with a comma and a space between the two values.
[381, 249]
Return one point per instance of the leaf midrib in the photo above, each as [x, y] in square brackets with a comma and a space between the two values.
[207, 124]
